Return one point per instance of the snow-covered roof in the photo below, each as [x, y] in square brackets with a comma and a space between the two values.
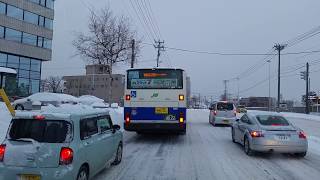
[7, 70]
[63, 112]
[88, 99]
[46, 96]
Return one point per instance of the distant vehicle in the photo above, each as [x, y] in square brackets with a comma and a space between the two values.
[241, 109]
[268, 132]
[155, 100]
[45, 98]
[222, 112]
[60, 144]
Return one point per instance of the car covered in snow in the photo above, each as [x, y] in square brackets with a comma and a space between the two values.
[44, 98]
[72, 142]
[268, 132]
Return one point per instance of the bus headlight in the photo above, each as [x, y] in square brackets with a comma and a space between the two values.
[181, 97]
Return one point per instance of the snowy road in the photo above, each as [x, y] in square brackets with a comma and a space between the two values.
[207, 152]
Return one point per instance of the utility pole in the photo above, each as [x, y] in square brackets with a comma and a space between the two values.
[269, 101]
[159, 45]
[238, 84]
[279, 48]
[133, 53]
[225, 90]
[307, 89]
[305, 76]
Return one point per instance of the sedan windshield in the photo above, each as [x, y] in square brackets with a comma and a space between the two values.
[40, 130]
[270, 120]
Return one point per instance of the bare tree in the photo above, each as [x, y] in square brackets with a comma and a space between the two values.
[53, 84]
[108, 41]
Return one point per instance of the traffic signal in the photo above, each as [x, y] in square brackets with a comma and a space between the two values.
[303, 75]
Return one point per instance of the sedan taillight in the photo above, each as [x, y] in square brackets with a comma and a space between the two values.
[302, 135]
[2, 151]
[256, 134]
[66, 156]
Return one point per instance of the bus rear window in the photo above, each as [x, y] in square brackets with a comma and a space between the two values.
[155, 79]
[46, 131]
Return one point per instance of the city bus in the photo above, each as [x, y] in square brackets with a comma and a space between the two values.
[155, 100]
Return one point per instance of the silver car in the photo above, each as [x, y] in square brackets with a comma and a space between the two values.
[268, 132]
[222, 112]
[60, 144]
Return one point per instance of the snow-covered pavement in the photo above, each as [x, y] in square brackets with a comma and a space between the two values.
[207, 152]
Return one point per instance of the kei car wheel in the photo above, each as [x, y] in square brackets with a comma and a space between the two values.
[118, 155]
[83, 174]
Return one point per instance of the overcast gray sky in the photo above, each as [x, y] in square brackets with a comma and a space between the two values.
[228, 26]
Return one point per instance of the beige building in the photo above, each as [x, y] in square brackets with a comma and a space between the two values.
[96, 82]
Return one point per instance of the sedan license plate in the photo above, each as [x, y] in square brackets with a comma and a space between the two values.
[161, 110]
[30, 177]
[283, 137]
[226, 121]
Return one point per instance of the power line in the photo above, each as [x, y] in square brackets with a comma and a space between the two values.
[303, 37]
[141, 22]
[235, 54]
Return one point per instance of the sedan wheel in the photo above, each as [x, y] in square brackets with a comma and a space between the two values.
[301, 154]
[247, 148]
[118, 156]
[83, 174]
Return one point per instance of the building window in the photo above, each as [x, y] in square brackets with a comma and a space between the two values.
[35, 75]
[48, 23]
[13, 35]
[41, 21]
[24, 74]
[29, 39]
[2, 8]
[1, 32]
[35, 86]
[25, 63]
[3, 59]
[23, 87]
[50, 4]
[35, 65]
[47, 43]
[13, 62]
[14, 12]
[31, 17]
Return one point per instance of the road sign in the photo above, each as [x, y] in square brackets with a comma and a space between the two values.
[5, 98]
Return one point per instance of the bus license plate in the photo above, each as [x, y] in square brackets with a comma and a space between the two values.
[161, 110]
[30, 177]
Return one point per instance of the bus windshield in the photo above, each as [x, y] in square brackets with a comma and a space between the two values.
[155, 79]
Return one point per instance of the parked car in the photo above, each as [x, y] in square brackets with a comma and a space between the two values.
[269, 132]
[45, 98]
[60, 143]
[222, 112]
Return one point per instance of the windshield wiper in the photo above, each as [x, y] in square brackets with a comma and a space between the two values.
[24, 140]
